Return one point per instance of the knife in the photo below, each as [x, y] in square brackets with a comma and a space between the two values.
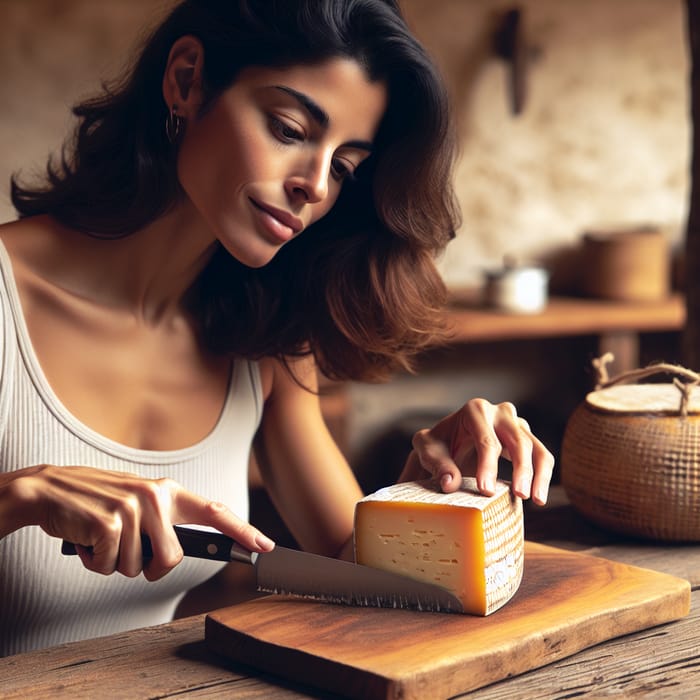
[292, 572]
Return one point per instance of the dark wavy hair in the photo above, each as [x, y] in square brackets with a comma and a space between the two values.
[359, 288]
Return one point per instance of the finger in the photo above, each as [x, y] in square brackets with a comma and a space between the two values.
[103, 555]
[533, 463]
[477, 418]
[158, 497]
[166, 549]
[130, 561]
[544, 466]
[85, 554]
[194, 509]
[435, 458]
[217, 515]
[518, 442]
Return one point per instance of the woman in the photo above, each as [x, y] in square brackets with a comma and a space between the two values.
[164, 306]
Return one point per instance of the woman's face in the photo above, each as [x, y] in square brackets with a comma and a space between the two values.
[270, 155]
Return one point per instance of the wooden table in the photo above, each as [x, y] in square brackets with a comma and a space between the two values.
[172, 661]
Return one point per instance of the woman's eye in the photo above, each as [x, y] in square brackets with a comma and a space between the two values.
[342, 170]
[284, 131]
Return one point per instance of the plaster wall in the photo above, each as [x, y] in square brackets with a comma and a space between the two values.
[603, 138]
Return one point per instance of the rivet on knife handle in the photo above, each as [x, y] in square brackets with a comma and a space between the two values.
[195, 543]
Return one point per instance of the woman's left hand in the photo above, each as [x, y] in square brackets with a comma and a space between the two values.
[470, 442]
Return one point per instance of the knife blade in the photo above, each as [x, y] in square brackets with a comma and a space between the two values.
[293, 572]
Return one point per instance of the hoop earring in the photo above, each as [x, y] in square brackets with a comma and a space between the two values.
[174, 125]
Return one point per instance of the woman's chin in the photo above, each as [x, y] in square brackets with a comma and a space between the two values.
[254, 258]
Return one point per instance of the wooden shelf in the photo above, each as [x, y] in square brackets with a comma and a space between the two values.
[563, 316]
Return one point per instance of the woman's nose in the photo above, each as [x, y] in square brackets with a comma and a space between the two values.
[309, 180]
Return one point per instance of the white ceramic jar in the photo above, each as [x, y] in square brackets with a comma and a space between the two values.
[517, 289]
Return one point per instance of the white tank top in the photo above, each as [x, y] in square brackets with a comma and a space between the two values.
[47, 598]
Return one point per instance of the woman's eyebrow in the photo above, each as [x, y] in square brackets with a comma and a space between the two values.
[318, 114]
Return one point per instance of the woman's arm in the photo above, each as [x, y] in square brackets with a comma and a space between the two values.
[315, 491]
[106, 512]
[471, 440]
[307, 477]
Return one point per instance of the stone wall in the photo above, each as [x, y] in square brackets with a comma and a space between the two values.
[603, 138]
[52, 53]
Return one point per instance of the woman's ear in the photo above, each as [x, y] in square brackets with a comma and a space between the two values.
[182, 80]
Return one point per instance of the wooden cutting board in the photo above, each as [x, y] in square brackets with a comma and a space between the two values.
[566, 602]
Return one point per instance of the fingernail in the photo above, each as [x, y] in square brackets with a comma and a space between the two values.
[445, 480]
[264, 542]
[524, 487]
[489, 485]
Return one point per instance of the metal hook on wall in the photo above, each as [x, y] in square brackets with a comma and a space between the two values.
[510, 45]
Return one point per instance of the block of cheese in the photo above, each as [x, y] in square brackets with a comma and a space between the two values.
[470, 544]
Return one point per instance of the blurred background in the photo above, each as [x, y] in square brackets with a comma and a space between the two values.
[573, 118]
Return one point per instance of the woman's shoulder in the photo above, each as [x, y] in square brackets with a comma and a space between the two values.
[17, 239]
[29, 238]
[37, 248]
[279, 377]
[27, 245]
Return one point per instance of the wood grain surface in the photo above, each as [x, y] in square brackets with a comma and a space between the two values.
[171, 661]
[567, 602]
[563, 316]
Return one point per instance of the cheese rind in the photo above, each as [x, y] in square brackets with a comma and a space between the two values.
[468, 543]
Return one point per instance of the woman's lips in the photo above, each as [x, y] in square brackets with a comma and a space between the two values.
[281, 224]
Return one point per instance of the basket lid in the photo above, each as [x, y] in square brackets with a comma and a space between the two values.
[663, 399]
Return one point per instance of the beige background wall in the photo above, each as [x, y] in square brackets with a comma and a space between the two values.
[53, 52]
[603, 139]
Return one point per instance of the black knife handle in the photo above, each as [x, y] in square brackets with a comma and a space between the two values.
[202, 544]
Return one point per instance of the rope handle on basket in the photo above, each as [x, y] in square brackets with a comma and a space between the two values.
[603, 380]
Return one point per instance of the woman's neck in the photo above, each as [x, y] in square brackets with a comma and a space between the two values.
[146, 274]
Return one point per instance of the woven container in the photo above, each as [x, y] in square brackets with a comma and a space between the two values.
[630, 460]
[626, 265]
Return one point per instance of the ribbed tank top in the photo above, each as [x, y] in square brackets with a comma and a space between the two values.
[47, 598]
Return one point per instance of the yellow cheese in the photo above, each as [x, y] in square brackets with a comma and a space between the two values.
[470, 544]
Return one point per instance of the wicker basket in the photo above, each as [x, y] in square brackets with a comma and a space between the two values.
[630, 458]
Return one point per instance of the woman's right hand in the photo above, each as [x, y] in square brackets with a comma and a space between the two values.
[105, 513]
